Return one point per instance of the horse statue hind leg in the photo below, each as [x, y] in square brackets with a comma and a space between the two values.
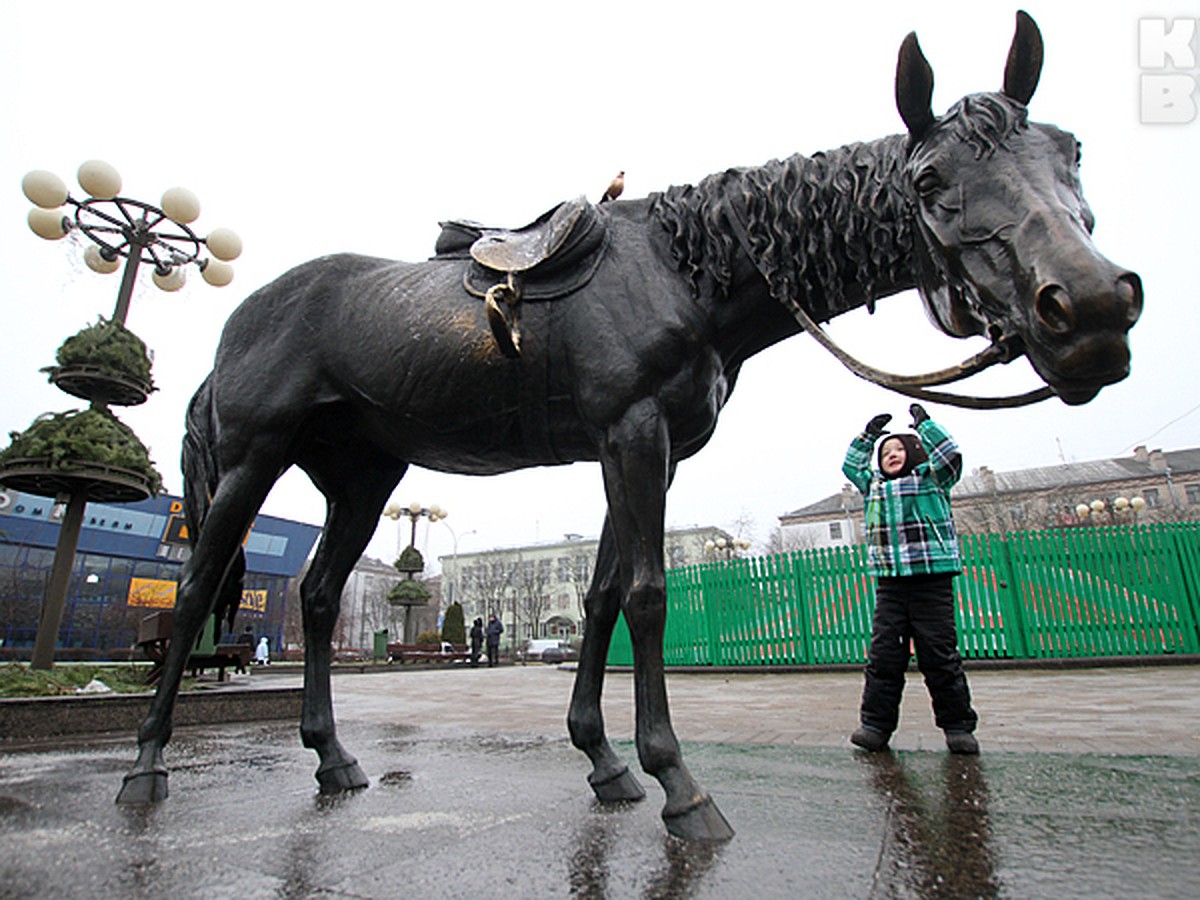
[216, 548]
[356, 482]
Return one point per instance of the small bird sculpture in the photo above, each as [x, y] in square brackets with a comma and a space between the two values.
[614, 188]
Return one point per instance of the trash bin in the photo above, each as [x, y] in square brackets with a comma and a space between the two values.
[381, 642]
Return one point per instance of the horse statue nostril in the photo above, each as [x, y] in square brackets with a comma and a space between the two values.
[1129, 292]
[1053, 308]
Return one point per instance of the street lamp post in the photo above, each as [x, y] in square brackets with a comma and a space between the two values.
[726, 548]
[140, 232]
[1100, 511]
[456, 587]
[414, 511]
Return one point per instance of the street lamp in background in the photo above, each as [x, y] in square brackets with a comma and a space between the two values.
[117, 227]
[1100, 512]
[414, 511]
[726, 548]
[456, 586]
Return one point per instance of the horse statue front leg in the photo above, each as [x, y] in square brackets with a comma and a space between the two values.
[610, 777]
[635, 461]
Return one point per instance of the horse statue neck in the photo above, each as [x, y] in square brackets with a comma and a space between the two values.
[830, 231]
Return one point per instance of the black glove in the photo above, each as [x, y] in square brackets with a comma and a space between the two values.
[876, 425]
[918, 414]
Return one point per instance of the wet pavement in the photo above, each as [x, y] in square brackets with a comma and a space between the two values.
[1088, 786]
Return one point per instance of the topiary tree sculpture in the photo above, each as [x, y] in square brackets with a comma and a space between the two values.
[105, 362]
[454, 628]
[408, 592]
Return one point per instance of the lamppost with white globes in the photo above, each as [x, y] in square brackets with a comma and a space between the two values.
[726, 548]
[139, 232]
[1099, 510]
[117, 227]
[414, 511]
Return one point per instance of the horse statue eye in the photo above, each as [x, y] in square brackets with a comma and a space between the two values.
[927, 183]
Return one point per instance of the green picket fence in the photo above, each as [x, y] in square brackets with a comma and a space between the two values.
[1024, 595]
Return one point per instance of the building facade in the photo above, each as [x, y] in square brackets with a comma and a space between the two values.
[537, 590]
[1149, 486]
[366, 610]
[126, 566]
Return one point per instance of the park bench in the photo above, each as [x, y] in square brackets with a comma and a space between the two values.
[429, 653]
[154, 636]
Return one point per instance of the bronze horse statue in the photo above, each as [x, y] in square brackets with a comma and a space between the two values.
[354, 368]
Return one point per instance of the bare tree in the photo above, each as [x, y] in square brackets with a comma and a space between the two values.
[531, 583]
[581, 580]
[743, 526]
[790, 540]
[293, 624]
[490, 584]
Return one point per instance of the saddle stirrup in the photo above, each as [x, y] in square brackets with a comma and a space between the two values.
[502, 301]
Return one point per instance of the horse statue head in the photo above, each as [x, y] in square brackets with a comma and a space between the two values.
[1002, 233]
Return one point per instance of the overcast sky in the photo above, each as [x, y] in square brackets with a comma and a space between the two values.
[311, 128]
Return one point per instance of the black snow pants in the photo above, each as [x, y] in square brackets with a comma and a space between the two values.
[920, 609]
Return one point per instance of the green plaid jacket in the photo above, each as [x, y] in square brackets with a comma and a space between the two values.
[910, 530]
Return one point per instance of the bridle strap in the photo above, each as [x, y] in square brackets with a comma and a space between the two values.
[909, 385]
[916, 385]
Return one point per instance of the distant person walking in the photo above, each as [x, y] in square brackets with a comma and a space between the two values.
[246, 638]
[494, 630]
[263, 654]
[913, 553]
[476, 641]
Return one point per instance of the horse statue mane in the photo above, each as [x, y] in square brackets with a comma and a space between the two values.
[822, 223]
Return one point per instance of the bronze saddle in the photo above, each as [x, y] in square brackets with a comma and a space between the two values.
[550, 257]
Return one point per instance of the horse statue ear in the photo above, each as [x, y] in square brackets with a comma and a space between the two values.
[914, 87]
[1024, 66]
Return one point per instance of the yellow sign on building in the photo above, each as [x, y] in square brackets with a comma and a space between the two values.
[152, 592]
[254, 601]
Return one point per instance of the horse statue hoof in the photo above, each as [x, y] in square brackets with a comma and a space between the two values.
[620, 787]
[342, 778]
[143, 787]
[702, 822]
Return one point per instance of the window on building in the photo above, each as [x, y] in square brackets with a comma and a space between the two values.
[1193, 493]
[583, 568]
[835, 531]
[1151, 497]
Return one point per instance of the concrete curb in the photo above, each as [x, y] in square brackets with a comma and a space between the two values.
[36, 718]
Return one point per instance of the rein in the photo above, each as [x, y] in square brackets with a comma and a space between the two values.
[915, 386]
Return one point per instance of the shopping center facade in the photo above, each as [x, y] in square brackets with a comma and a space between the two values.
[127, 566]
